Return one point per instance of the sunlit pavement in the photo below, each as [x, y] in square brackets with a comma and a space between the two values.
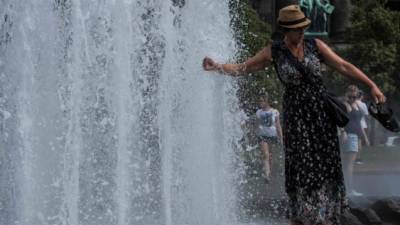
[379, 174]
[378, 185]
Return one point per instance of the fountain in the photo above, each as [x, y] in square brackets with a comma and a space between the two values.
[107, 117]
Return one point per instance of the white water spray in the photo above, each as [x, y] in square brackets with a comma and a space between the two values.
[107, 116]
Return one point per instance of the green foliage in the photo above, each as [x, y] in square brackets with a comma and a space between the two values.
[374, 36]
[252, 34]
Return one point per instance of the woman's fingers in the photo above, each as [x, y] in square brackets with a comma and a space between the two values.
[375, 99]
[382, 98]
[208, 63]
[378, 96]
[205, 62]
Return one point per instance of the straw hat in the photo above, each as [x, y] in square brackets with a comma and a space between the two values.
[292, 17]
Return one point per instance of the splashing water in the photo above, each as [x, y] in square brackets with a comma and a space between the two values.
[107, 117]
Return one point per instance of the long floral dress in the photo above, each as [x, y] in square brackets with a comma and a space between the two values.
[313, 172]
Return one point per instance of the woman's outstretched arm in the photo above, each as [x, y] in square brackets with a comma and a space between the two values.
[348, 69]
[258, 62]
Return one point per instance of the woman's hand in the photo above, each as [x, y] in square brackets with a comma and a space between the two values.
[366, 142]
[209, 64]
[377, 95]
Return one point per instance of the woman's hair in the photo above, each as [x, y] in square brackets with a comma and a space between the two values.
[360, 93]
[352, 88]
[279, 30]
[285, 29]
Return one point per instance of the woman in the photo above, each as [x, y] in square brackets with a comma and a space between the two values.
[313, 174]
[269, 131]
[350, 137]
[363, 140]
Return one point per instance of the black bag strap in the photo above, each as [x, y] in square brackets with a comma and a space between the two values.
[301, 68]
[274, 55]
[295, 62]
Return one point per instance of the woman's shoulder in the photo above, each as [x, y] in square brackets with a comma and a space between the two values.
[272, 110]
[276, 45]
[275, 49]
[311, 43]
[276, 111]
[348, 106]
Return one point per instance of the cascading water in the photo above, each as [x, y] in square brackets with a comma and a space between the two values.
[107, 117]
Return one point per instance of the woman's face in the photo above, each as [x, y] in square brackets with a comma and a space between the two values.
[352, 96]
[262, 103]
[295, 35]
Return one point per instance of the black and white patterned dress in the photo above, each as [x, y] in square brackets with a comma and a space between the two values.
[313, 172]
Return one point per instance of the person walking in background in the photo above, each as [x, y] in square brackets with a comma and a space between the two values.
[363, 139]
[269, 131]
[313, 172]
[350, 137]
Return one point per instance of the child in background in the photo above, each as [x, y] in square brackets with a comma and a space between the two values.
[269, 131]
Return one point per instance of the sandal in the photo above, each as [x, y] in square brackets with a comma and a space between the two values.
[384, 115]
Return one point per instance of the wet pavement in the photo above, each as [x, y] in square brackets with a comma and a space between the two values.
[378, 185]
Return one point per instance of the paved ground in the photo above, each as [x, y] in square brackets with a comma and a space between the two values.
[379, 175]
[378, 185]
[380, 160]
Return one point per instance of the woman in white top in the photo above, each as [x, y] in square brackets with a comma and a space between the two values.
[363, 140]
[269, 131]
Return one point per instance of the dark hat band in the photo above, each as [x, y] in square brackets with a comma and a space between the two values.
[294, 22]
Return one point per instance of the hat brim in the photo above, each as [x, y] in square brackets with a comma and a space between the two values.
[306, 23]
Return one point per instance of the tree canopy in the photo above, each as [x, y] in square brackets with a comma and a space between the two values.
[373, 41]
[252, 34]
[374, 38]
